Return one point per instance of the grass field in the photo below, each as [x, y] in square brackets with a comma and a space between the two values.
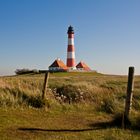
[78, 106]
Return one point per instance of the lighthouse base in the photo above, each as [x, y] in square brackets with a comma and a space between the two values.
[72, 68]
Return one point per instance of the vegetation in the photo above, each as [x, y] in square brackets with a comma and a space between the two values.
[78, 106]
[26, 71]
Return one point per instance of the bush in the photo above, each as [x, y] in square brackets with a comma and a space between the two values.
[35, 101]
[69, 93]
[107, 104]
[25, 71]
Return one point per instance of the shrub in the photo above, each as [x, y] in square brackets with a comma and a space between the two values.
[69, 93]
[107, 104]
[35, 101]
[25, 71]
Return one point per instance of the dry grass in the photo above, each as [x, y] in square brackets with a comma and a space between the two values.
[106, 93]
[78, 106]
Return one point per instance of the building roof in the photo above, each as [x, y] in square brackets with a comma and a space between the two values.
[83, 66]
[59, 63]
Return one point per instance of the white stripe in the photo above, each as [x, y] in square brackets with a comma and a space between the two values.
[70, 41]
[70, 54]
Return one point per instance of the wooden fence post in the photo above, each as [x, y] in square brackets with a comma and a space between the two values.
[130, 85]
[45, 85]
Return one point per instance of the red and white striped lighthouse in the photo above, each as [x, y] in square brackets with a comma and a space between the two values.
[71, 50]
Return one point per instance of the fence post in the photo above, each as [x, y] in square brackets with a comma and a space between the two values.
[45, 85]
[130, 85]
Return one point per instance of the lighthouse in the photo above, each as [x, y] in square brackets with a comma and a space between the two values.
[59, 66]
[71, 50]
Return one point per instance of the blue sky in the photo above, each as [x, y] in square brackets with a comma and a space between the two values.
[33, 33]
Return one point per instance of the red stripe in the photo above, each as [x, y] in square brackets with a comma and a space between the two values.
[70, 35]
[70, 48]
[70, 62]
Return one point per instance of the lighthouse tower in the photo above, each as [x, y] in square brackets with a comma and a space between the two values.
[71, 50]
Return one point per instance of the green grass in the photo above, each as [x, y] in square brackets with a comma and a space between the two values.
[25, 123]
[95, 99]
